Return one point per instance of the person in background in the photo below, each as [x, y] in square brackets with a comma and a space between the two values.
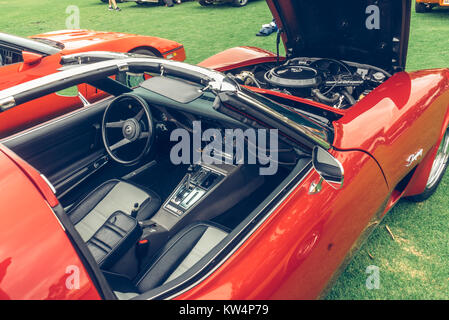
[113, 6]
[170, 3]
[267, 29]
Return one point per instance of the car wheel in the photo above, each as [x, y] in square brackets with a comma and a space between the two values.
[239, 3]
[146, 52]
[439, 167]
[422, 7]
[205, 2]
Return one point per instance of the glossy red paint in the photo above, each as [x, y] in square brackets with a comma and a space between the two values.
[238, 57]
[88, 40]
[404, 115]
[30, 58]
[75, 41]
[31, 235]
[421, 175]
[409, 112]
[320, 230]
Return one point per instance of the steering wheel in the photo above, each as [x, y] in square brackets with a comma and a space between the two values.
[127, 129]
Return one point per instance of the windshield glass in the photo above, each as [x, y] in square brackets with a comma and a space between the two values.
[41, 46]
[310, 125]
[54, 44]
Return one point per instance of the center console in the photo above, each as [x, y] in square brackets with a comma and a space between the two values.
[205, 192]
[194, 187]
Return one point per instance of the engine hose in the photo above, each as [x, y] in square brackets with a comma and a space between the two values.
[253, 78]
[322, 98]
[349, 97]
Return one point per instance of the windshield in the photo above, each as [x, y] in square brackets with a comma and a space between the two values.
[312, 128]
[41, 46]
[54, 44]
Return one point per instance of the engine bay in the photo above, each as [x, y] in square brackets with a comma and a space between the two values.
[335, 83]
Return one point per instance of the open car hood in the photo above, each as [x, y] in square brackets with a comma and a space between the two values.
[363, 31]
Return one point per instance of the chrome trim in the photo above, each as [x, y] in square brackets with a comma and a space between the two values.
[85, 57]
[316, 187]
[203, 196]
[57, 218]
[414, 157]
[214, 169]
[123, 67]
[440, 162]
[7, 103]
[48, 183]
[217, 79]
[83, 99]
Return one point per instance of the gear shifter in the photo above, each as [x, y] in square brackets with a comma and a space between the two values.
[187, 184]
[185, 189]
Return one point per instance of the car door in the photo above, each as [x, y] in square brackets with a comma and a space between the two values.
[67, 149]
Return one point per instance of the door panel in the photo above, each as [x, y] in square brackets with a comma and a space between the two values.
[67, 149]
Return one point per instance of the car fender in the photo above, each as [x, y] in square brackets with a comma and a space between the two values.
[401, 118]
[419, 179]
[37, 259]
[238, 57]
[283, 257]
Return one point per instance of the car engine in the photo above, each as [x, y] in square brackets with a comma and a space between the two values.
[332, 82]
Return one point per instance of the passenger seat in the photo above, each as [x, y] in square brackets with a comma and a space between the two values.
[180, 254]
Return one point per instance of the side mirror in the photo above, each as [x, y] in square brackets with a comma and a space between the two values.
[30, 58]
[329, 168]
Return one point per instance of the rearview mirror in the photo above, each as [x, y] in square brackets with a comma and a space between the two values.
[329, 168]
[30, 58]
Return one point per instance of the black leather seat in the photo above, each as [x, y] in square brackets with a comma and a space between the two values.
[182, 252]
[91, 213]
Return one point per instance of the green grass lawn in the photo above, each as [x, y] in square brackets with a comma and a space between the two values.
[415, 264]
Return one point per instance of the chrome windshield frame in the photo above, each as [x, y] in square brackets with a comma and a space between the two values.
[74, 74]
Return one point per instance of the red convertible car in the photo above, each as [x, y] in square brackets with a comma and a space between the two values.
[103, 202]
[23, 59]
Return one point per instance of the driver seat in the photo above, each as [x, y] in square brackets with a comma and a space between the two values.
[90, 213]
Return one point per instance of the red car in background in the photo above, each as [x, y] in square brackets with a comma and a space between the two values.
[422, 6]
[24, 59]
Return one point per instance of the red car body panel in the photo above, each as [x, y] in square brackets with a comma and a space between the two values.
[238, 57]
[88, 40]
[386, 123]
[320, 229]
[306, 240]
[408, 112]
[31, 235]
[37, 111]
[75, 41]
